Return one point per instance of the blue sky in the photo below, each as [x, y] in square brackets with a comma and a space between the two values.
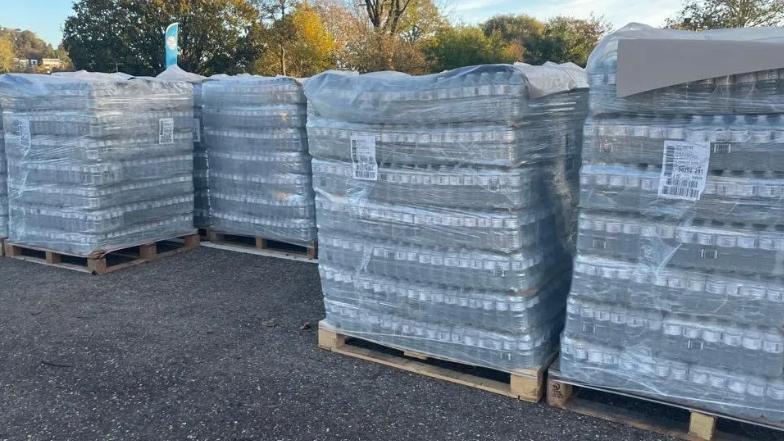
[46, 17]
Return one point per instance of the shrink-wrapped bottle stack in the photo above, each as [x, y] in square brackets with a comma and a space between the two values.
[677, 291]
[444, 206]
[3, 181]
[201, 185]
[260, 181]
[97, 162]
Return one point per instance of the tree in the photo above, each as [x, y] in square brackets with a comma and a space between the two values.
[308, 45]
[279, 29]
[521, 28]
[700, 15]
[466, 46]
[570, 39]
[385, 15]
[64, 58]
[6, 54]
[421, 20]
[561, 39]
[216, 36]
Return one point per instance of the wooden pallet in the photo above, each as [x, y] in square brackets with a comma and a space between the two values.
[526, 385]
[239, 242]
[101, 262]
[592, 401]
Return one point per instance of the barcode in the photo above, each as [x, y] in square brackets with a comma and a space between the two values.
[669, 160]
[685, 192]
[722, 147]
[166, 131]
[363, 157]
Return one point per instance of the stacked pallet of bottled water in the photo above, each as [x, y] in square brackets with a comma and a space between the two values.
[678, 290]
[3, 181]
[97, 163]
[260, 181]
[201, 211]
[443, 206]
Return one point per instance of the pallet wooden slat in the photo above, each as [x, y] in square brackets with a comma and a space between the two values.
[702, 426]
[525, 385]
[101, 262]
[240, 242]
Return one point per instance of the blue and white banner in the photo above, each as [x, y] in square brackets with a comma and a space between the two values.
[172, 45]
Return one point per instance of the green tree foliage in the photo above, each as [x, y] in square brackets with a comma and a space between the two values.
[466, 46]
[521, 28]
[698, 15]
[216, 36]
[561, 39]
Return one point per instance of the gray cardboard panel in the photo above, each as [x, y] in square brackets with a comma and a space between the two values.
[648, 64]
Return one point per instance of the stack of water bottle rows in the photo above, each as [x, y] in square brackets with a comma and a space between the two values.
[201, 210]
[441, 209]
[3, 182]
[259, 168]
[677, 289]
[96, 162]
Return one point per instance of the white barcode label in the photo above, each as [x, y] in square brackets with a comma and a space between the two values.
[24, 134]
[196, 130]
[363, 157]
[166, 131]
[684, 170]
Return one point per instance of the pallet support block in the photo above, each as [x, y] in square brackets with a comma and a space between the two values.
[701, 427]
[102, 262]
[241, 242]
[525, 385]
[148, 251]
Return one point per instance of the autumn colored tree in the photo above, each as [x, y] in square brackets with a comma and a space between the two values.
[560, 39]
[421, 20]
[299, 45]
[6, 54]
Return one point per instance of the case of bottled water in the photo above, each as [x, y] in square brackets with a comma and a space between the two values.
[678, 287]
[201, 211]
[446, 207]
[97, 162]
[255, 142]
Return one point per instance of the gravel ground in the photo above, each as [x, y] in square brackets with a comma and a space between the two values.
[208, 345]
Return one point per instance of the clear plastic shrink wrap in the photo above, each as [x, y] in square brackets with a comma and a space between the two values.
[678, 291]
[3, 179]
[96, 162]
[260, 181]
[445, 206]
[759, 92]
[201, 212]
